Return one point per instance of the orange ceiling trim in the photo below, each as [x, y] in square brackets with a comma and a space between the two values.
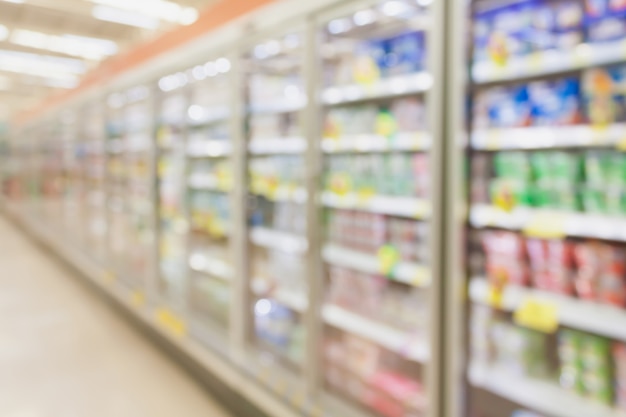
[212, 18]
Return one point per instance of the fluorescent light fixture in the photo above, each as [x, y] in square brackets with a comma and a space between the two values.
[81, 46]
[188, 16]
[156, 9]
[14, 1]
[112, 14]
[41, 65]
[364, 17]
[4, 32]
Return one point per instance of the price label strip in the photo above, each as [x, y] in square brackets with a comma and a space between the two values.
[546, 226]
[171, 321]
[537, 315]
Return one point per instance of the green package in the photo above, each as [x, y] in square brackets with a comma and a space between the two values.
[593, 199]
[596, 363]
[512, 165]
[571, 369]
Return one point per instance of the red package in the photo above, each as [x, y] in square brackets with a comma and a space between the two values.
[601, 271]
[505, 258]
[551, 264]
[394, 395]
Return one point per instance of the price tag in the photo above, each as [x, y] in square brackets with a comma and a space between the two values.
[341, 184]
[280, 386]
[621, 145]
[546, 226]
[421, 277]
[537, 315]
[388, 258]
[536, 62]
[138, 299]
[365, 195]
[109, 277]
[271, 188]
[493, 140]
[422, 209]
[297, 399]
[599, 133]
[495, 296]
[171, 321]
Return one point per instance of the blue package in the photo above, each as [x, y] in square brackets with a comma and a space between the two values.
[524, 27]
[404, 54]
[605, 20]
[555, 103]
[370, 56]
[275, 325]
[503, 107]
[604, 93]
[501, 32]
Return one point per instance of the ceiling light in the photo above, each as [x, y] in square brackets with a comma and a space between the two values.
[111, 14]
[4, 32]
[395, 8]
[41, 65]
[338, 26]
[198, 73]
[222, 65]
[188, 16]
[291, 41]
[14, 1]
[364, 17]
[82, 46]
[156, 9]
[272, 47]
[210, 69]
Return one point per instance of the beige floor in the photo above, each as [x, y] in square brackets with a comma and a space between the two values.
[63, 353]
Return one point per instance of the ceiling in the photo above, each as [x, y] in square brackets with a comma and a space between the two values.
[48, 45]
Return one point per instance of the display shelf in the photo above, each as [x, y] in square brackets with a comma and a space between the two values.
[203, 117]
[296, 301]
[209, 148]
[276, 146]
[549, 137]
[407, 273]
[397, 341]
[386, 88]
[275, 239]
[370, 143]
[283, 193]
[550, 62]
[208, 182]
[579, 314]
[394, 206]
[217, 268]
[550, 223]
[543, 396]
[279, 106]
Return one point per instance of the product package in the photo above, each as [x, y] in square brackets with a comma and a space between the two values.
[505, 258]
[619, 368]
[551, 264]
[520, 351]
[555, 103]
[604, 93]
[601, 273]
[605, 20]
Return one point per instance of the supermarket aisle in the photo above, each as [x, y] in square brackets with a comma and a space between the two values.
[64, 353]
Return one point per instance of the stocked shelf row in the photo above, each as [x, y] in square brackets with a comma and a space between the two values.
[295, 198]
